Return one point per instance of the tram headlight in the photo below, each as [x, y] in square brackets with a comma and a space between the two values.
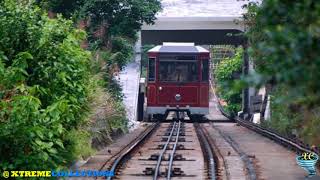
[177, 97]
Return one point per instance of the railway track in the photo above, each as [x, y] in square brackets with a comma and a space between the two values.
[118, 158]
[208, 151]
[166, 151]
[181, 150]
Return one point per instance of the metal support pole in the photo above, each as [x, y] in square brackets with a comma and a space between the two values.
[245, 70]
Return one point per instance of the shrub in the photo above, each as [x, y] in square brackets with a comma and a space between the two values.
[226, 72]
[44, 77]
[123, 51]
[284, 40]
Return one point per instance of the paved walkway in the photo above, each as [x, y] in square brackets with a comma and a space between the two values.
[129, 80]
[214, 112]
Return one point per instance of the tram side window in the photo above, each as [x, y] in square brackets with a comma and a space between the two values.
[205, 70]
[151, 69]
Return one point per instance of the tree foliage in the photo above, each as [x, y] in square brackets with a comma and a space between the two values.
[226, 72]
[285, 46]
[121, 17]
[65, 7]
[43, 88]
[45, 78]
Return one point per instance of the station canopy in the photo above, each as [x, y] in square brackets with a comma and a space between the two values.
[168, 47]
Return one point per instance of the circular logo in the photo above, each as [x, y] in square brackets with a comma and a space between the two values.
[6, 174]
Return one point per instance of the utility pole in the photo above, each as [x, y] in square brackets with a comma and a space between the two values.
[245, 71]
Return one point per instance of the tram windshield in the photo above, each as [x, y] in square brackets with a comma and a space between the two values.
[178, 71]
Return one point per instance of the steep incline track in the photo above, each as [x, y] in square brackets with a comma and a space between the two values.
[170, 151]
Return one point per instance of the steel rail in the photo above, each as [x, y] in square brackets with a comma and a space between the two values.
[205, 142]
[173, 151]
[123, 154]
[156, 172]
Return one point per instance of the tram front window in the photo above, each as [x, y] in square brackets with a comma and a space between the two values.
[175, 71]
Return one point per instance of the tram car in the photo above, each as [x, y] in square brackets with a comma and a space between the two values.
[177, 80]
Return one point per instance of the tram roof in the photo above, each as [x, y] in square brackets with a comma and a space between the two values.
[178, 48]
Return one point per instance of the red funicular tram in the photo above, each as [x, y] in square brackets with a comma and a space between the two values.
[178, 80]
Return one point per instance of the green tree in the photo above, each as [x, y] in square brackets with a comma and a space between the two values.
[285, 46]
[227, 71]
[121, 17]
[65, 7]
[44, 79]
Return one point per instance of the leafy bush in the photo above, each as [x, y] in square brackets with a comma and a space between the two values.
[123, 18]
[44, 77]
[105, 65]
[285, 46]
[283, 119]
[123, 51]
[226, 72]
[284, 39]
[220, 52]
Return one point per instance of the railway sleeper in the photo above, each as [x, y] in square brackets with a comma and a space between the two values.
[148, 171]
[176, 172]
[181, 133]
[182, 125]
[155, 157]
[182, 128]
[161, 146]
[181, 147]
[170, 147]
[175, 130]
[178, 157]
[173, 139]
[166, 157]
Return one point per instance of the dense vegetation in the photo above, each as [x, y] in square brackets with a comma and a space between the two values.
[285, 46]
[44, 80]
[120, 17]
[226, 72]
[50, 88]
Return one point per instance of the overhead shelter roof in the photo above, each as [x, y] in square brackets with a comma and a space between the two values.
[198, 14]
[199, 21]
[178, 48]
